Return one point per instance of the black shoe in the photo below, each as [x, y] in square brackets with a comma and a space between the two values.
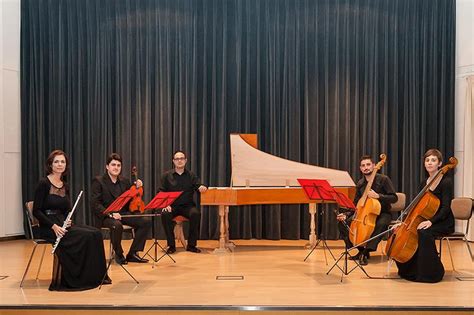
[356, 257]
[135, 258]
[171, 250]
[193, 249]
[363, 260]
[120, 259]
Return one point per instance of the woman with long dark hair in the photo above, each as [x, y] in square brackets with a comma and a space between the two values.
[80, 254]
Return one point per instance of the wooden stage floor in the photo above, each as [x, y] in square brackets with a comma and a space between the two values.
[262, 275]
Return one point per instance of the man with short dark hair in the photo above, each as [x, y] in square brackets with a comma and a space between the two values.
[383, 191]
[107, 188]
[181, 179]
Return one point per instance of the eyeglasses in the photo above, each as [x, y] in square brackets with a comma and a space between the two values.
[179, 159]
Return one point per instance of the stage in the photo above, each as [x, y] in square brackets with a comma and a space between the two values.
[260, 275]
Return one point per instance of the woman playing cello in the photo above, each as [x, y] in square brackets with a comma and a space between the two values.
[425, 265]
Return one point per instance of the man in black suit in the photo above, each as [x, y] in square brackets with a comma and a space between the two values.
[105, 189]
[383, 191]
[181, 179]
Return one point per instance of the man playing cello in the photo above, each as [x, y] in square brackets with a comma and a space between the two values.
[383, 191]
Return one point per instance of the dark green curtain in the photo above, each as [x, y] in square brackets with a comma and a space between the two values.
[320, 81]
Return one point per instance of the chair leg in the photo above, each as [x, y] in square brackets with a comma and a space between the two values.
[440, 247]
[389, 265]
[468, 247]
[179, 234]
[41, 262]
[450, 254]
[111, 249]
[28, 265]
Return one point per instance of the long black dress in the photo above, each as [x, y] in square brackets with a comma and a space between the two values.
[425, 265]
[80, 253]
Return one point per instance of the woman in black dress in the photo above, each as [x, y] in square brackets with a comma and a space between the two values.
[80, 253]
[425, 265]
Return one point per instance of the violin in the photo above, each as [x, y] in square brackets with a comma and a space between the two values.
[403, 243]
[137, 203]
[368, 209]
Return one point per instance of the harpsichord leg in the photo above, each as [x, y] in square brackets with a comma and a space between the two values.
[222, 229]
[228, 244]
[312, 225]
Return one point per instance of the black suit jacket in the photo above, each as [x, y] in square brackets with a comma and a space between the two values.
[103, 195]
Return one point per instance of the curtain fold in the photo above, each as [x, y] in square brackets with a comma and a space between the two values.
[320, 81]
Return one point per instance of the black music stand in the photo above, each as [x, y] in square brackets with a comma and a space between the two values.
[316, 189]
[345, 270]
[116, 206]
[160, 201]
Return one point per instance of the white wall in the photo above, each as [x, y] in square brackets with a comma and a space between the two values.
[464, 68]
[11, 215]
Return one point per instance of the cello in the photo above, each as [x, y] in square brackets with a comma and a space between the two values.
[368, 209]
[403, 243]
[137, 203]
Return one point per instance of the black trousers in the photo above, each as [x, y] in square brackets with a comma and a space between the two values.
[383, 220]
[141, 225]
[194, 217]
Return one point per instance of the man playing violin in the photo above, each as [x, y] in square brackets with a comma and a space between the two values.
[384, 192]
[105, 189]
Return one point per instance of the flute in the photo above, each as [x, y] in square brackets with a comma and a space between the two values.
[69, 216]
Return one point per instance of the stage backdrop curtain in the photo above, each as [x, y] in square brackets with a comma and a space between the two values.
[320, 81]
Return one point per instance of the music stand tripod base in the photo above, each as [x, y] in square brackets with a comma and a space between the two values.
[109, 263]
[159, 202]
[313, 241]
[154, 258]
[345, 269]
[324, 246]
[155, 245]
